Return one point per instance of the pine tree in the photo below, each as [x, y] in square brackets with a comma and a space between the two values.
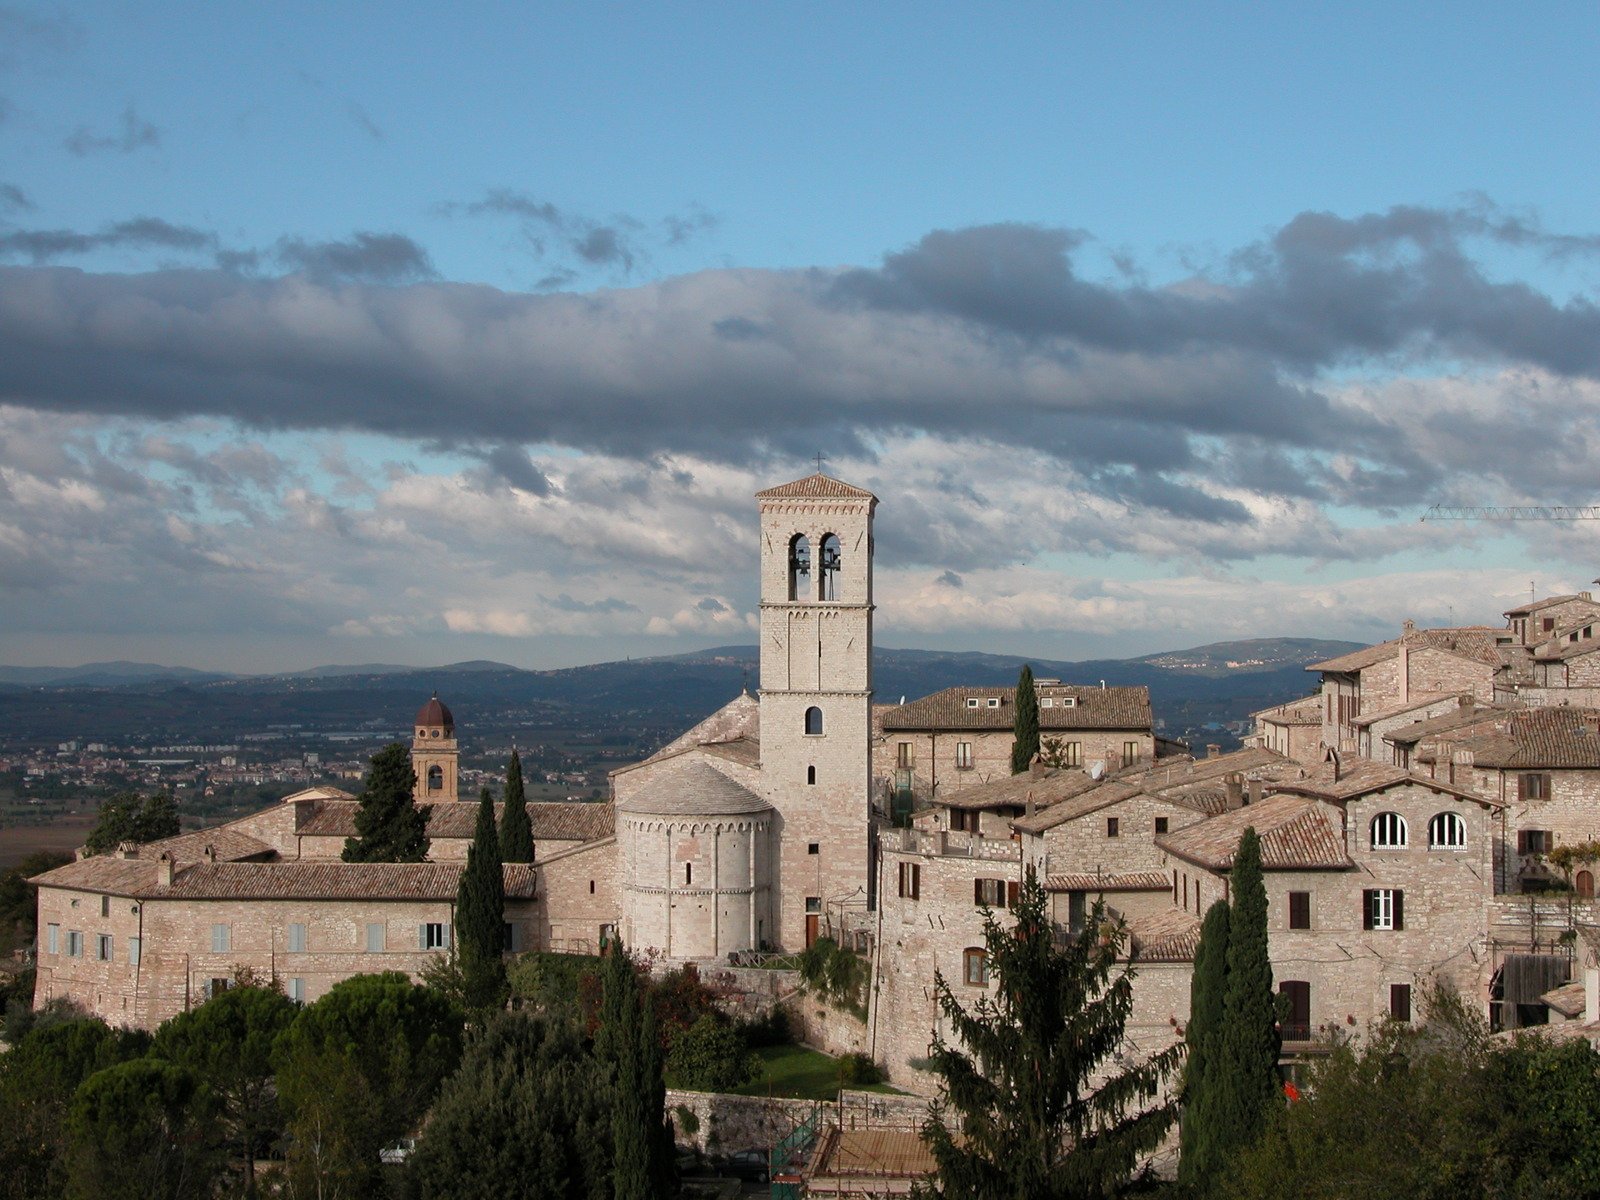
[1247, 1088]
[389, 825]
[628, 1047]
[1198, 1136]
[481, 914]
[1033, 1101]
[1025, 724]
[516, 831]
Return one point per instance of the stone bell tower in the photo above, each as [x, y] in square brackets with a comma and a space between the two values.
[434, 754]
[816, 697]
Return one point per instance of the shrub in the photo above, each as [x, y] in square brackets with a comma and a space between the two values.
[858, 1070]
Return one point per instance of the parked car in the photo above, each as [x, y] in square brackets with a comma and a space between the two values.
[747, 1164]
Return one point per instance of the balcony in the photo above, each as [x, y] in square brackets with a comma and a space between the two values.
[948, 843]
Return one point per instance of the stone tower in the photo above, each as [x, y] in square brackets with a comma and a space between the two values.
[434, 754]
[816, 696]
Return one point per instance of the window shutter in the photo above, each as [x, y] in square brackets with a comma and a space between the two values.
[1522, 839]
[1012, 890]
[422, 937]
[445, 928]
[1366, 909]
[977, 891]
[916, 881]
[1399, 909]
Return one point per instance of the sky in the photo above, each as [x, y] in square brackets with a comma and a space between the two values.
[416, 333]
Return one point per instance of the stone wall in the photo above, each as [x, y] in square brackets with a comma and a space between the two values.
[726, 1123]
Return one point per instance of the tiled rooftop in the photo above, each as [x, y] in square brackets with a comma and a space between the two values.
[1558, 738]
[1297, 833]
[1171, 936]
[1477, 642]
[816, 487]
[137, 878]
[1128, 881]
[553, 821]
[1092, 708]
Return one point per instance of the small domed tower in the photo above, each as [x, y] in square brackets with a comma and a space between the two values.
[434, 754]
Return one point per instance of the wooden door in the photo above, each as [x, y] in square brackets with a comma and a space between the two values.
[811, 927]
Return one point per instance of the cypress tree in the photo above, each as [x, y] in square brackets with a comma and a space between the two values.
[516, 831]
[1247, 1085]
[1197, 1131]
[389, 825]
[628, 1046]
[481, 913]
[1025, 723]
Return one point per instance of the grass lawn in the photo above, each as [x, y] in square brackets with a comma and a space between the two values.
[800, 1073]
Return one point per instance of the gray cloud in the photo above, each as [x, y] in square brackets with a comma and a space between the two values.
[140, 233]
[134, 133]
[382, 258]
[1176, 401]
[14, 198]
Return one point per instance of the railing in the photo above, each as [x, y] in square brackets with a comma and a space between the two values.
[946, 843]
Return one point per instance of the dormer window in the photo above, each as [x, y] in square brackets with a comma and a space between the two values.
[994, 701]
[972, 702]
[1069, 702]
[1047, 702]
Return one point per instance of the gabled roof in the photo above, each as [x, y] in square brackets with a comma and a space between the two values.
[1560, 651]
[1081, 805]
[552, 820]
[1461, 718]
[1128, 881]
[1305, 711]
[1171, 936]
[1297, 833]
[138, 878]
[737, 721]
[1548, 602]
[1476, 642]
[229, 845]
[1050, 786]
[693, 788]
[1092, 708]
[816, 486]
[1539, 738]
[1418, 700]
[1362, 777]
[321, 792]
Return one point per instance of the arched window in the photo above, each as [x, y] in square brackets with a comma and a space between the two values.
[435, 779]
[799, 567]
[811, 775]
[975, 966]
[829, 567]
[813, 720]
[1447, 831]
[1388, 831]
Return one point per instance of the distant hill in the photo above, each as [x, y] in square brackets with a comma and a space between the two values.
[648, 700]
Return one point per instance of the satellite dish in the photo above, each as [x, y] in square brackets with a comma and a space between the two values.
[1097, 770]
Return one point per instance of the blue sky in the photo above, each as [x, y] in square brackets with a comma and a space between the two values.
[1149, 325]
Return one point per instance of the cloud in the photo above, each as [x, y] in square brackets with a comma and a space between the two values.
[380, 258]
[140, 233]
[14, 198]
[135, 133]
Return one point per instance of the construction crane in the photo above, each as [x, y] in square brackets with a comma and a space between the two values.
[1526, 512]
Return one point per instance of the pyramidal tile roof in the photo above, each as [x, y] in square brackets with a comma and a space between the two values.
[817, 486]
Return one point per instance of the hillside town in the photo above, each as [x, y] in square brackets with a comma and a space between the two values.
[1425, 818]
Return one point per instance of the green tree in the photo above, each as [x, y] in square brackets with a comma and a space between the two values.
[1033, 1101]
[358, 1069]
[527, 1117]
[1198, 1141]
[1025, 723]
[142, 1130]
[1247, 1091]
[38, 1077]
[157, 819]
[710, 1056]
[516, 830]
[628, 1047]
[116, 823]
[228, 1043]
[19, 899]
[389, 825]
[481, 915]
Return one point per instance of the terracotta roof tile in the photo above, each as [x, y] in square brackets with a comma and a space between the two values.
[816, 486]
[1539, 738]
[739, 720]
[693, 788]
[1171, 936]
[1476, 642]
[553, 821]
[1547, 602]
[1080, 805]
[1297, 833]
[229, 845]
[1093, 708]
[1014, 791]
[1128, 881]
[278, 881]
[1305, 711]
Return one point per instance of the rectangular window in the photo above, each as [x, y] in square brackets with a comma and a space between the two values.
[975, 967]
[134, 946]
[1533, 841]
[297, 990]
[1113, 827]
[297, 939]
[1383, 908]
[1533, 785]
[902, 755]
[1130, 753]
[508, 937]
[991, 892]
[964, 756]
[1047, 702]
[1296, 1025]
[105, 906]
[910, 881]
[375, 938]
[813, 905]
[1161, 824]
[994, 702]
[1072, 754]
[435, 935]
[52, 938]
[811, 848]
[103, 948]
[74, 943]
[221, 939]
[1077, 911]
[972, 702]
[1400, 1001]
[1299, 910]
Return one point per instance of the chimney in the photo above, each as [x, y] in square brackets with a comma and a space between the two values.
[1255, 792]
[127, 849]
[1028, 808]
[211, 854]
[1213, 749]
[164, 870]
[1235, 793]
[1036, 767]
[1591, 995]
